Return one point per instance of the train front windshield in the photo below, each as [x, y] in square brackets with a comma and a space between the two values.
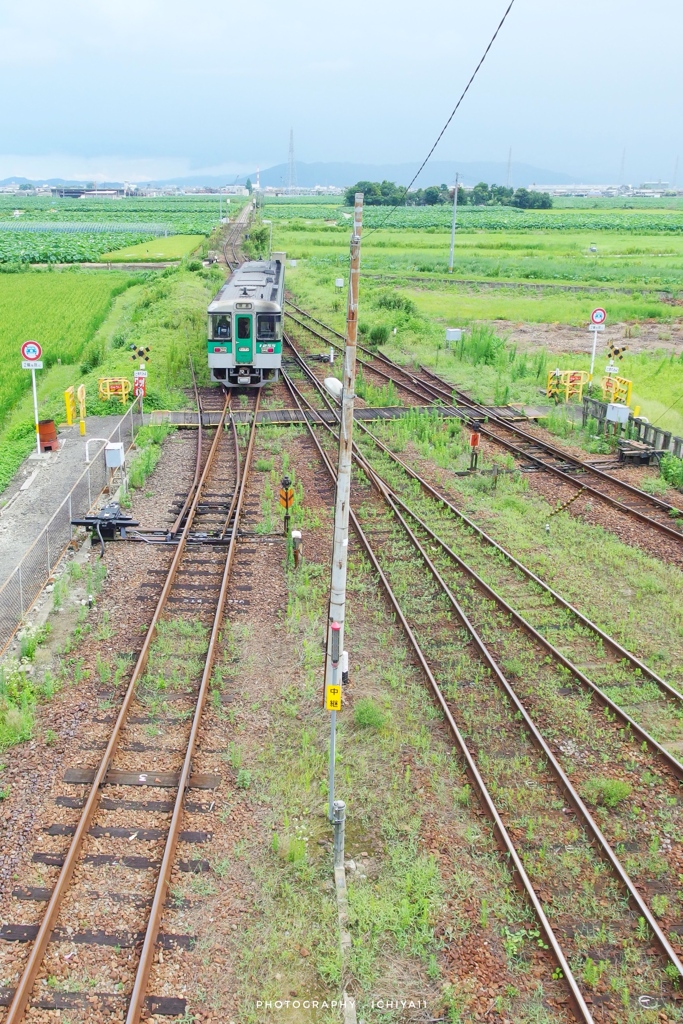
[221, 327]
[268, 327]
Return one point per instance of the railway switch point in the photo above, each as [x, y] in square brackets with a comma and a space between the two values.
[107, 523]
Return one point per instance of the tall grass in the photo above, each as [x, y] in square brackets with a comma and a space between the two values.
[148, 443]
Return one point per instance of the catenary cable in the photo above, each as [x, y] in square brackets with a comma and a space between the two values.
[452, 115]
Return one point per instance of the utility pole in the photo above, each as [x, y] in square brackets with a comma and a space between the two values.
[455, 214]
[507, 180]
[335, 625]
[292, 163]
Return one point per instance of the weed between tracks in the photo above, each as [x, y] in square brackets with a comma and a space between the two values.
[412, 906]
[175, 663]
[557, 855]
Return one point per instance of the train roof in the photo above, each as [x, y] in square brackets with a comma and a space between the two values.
[255, 280]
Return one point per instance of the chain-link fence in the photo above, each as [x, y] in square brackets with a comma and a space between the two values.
[21, 589]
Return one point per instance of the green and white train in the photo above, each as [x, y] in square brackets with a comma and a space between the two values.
[245, 325]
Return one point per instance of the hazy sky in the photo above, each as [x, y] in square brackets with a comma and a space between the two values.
[157, 88]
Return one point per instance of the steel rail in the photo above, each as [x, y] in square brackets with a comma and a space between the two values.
[363, 362]
[580, 1007]
[440, 393]
[137, 998]
[373, 355]
[603, 846]
[672, 763]
[235, 230]
[605, 637]
[606, 701]
[25, 985]
[601, 843]
[197, 469]
[558, 453]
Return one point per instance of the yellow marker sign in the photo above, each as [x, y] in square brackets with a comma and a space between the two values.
[334, 698]
[287, 497]
[80, 394]
[70, 405]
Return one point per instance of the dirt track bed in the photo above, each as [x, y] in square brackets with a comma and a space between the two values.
[262, 906]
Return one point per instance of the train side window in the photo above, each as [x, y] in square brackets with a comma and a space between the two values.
[268, 326]
[221, 327]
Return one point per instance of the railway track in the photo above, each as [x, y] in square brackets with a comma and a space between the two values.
[539, 816]
[230, 253]
[165, 697]
[580, 474]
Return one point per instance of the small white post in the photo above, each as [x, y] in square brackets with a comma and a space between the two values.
[35, 408]
[595, 345]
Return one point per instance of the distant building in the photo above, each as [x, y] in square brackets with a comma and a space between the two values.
[78, 192]
[650, 190]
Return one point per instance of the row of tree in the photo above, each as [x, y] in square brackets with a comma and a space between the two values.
[388, 193]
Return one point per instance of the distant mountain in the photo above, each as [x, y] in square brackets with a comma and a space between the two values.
[17, 180]
[344, 174]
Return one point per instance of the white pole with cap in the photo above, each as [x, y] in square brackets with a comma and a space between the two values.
[335, 630]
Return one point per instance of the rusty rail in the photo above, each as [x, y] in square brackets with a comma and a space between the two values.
[442, 392]
[22, 993]
[581, 1010]
[137, 999]
[603, 847]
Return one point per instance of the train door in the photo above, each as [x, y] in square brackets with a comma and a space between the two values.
[244, 339]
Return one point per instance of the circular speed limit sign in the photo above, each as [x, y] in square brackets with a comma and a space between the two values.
[31, 350]
[598, 316]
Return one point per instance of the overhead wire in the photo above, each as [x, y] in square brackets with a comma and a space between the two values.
[452, 115]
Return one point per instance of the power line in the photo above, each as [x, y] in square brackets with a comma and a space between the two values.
[453, 113]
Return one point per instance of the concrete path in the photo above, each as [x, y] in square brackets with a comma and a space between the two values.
[39, 487]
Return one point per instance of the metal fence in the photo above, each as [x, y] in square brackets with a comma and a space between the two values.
[637, 428]
[20, 590]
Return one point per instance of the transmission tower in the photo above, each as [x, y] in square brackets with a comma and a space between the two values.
[292, 165]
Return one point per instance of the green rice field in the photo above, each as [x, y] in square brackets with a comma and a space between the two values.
[61, 310]
[171, 247]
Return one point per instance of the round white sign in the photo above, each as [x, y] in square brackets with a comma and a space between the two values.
[598, 316]
[31, 350]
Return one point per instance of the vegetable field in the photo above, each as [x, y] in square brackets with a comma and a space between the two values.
[187, 215]
[635, 221]
[60, 247]
[60, 310]
[529, 265]
[85, 229]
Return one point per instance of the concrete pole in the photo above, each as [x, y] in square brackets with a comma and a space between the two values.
[455, 215]
[343, 492]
